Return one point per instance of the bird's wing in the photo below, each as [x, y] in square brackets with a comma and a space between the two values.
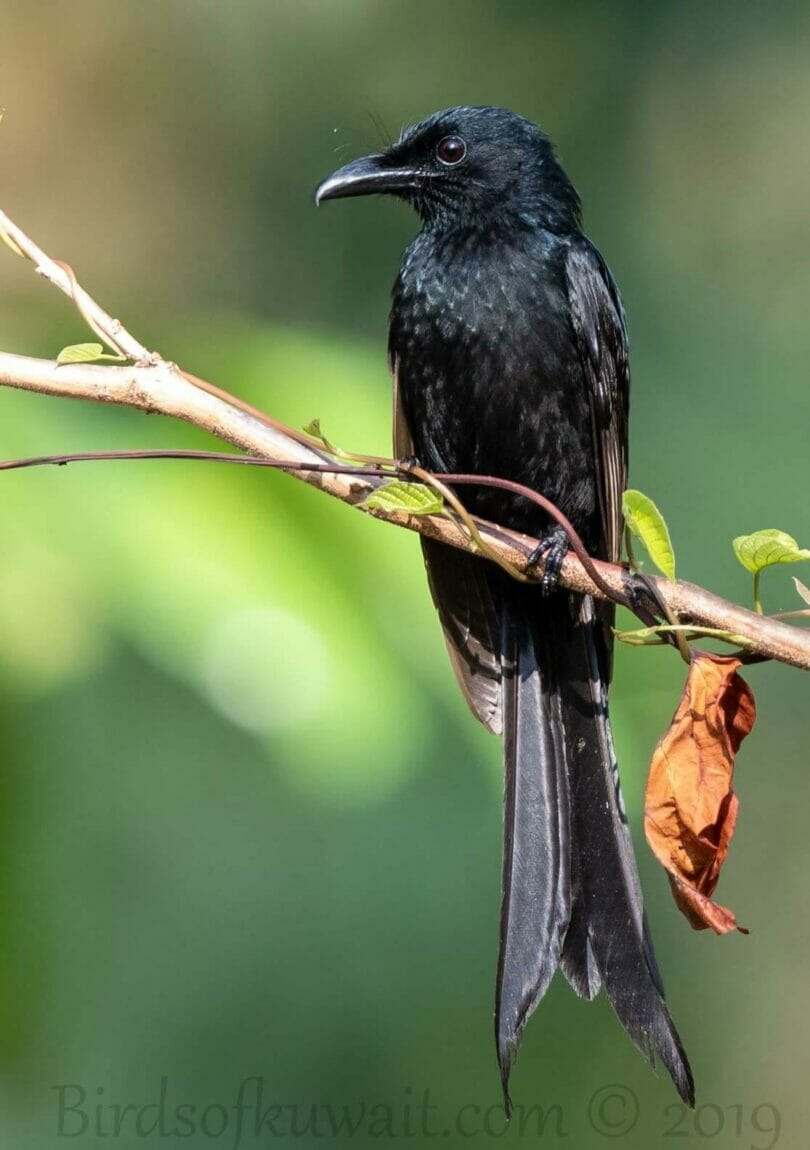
[464, 600]
[403, 443]
[471, 624]
[598, 318]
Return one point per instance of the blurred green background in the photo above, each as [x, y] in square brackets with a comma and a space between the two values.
[248, 827]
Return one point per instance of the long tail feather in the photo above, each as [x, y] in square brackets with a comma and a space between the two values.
[611, 893]
[571, 894]
[535, 907]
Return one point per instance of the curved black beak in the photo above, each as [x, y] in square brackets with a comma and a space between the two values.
[364, 177]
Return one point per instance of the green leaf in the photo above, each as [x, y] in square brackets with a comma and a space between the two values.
[313, 428]
[649, 526]
[767, 549]
[804, 592]
[9, 242]
[415, 498]
[80, 353]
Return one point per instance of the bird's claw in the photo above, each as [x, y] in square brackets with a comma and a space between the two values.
[551, 550]
[407, 463]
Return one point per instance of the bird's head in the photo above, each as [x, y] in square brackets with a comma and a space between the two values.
[467, 165]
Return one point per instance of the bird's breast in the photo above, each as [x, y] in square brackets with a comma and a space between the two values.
[482, 294]
[488, 370]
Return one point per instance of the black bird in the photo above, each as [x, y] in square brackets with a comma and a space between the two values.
[509, 354]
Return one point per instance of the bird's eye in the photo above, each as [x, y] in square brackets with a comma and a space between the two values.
[451, 150]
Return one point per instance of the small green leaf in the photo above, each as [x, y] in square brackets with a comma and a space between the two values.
[415, 498]
[804, 592]
[766, 549]
[649, 526]
[9, 242]
[313, 428]
[80, 353]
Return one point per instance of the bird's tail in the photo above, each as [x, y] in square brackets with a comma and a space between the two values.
[571, 893]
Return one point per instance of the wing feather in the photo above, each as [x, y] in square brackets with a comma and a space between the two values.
[599, 325]
[463, 598]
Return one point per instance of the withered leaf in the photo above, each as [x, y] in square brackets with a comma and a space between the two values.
[690, 808]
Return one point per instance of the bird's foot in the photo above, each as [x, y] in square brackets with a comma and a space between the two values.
[407, 463]
[551, 550]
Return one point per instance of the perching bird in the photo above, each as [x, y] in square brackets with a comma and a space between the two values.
[509, 355]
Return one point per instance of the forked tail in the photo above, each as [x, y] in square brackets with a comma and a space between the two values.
[571, 894]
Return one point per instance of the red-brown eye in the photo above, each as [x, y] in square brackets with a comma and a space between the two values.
[451, 150]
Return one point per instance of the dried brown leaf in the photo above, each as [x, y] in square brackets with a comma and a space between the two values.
[690, 808]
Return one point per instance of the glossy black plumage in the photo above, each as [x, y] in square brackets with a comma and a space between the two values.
[509, 353]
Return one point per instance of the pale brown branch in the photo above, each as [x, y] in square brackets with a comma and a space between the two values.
[153, 384]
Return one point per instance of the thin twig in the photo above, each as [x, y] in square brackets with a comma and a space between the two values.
[111, 330]
[62, 277]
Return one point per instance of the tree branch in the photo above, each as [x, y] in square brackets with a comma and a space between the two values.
[153, 384]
